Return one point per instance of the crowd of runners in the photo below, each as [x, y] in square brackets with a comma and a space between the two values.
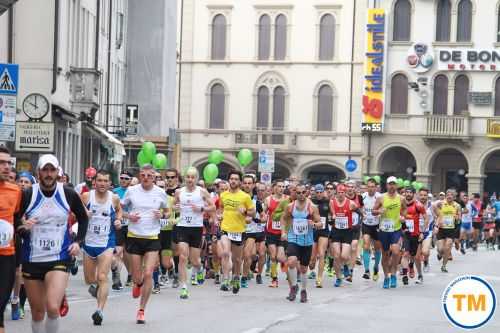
[171, 230]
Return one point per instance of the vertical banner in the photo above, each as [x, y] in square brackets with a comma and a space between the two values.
[374, 72]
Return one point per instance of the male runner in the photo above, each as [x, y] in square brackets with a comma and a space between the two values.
[447, 212]
[322, 202]
[413, 235]
[47, 245]
[496, 208]
[423, 197]
[121, 255]
[341, 235]
[254, 235]
[477, 220]
[173, 179]
[370, 230]
[466, 229]
[273, 227]
[238, 210]
[144, 202]
[356, 228]
[105, 216]
[10, 204]
[391, 207]
[191, 201]
[298, 221]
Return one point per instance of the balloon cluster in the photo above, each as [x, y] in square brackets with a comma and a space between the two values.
[400, 182]
[148, 155]
[211, 170]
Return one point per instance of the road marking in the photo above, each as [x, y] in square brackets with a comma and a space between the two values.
[254, 330]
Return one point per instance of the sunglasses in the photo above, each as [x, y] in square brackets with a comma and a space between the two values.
[302, 192]
[170, 177]
[125, 178]
[329, 188]
[161, 186]
[147, 176]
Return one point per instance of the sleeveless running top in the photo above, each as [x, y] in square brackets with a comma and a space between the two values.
[188, 217]
[273, 227]
[300, 232]
[368, 204]
[101, 230]
[343, 214]
[390, 219]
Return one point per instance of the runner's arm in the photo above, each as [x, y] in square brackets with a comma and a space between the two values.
[377, 207]
[118, 209]
[77, 208]
[22, 229]
[285, 217]
[316, 217]
[209, 203]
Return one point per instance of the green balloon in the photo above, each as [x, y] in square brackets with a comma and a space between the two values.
[245, 157]
[142, 159]
[365, 179]
[418, 186]
[406, 183]
[210, 173]
[377, 179]
[149, 150]
[400, 182]
[160, 161]
[413, 184]
[216, 157]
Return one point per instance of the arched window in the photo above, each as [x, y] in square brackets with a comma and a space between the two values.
[217, 106]
[497, 98]
[326, 37]
[399, 94]
[464, 21]
[279, 108]
[461, 103]
[443, 21]
[440, 104]
[280, 37]
[263, 108]
[219, 31]
[325, 108]
[264, 37]
[402, 21]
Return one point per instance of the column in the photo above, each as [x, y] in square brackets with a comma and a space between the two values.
[475, 183]
[424, 178]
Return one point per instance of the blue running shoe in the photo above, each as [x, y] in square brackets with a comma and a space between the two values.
[338, 283]
[346, 271]
[386, 283]
[394, 281]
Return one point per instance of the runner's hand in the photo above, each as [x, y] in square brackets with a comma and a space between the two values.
[28, 224]
[118, 224]
[134, 217]
[248, 219]
[283, 237]
[157, 214]
[74, 249]
[196, 208]
[311, 223]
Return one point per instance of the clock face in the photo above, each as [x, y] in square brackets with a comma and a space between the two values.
[35, 106]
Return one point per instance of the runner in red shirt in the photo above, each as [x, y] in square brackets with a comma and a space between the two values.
[477, 221]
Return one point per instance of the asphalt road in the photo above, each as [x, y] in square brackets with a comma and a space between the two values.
[362, 306]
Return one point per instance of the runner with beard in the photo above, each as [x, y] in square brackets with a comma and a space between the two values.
[321, 233]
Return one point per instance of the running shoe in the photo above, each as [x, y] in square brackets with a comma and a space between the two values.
[136, 291]
[426, 267]
[439, 257]
[156, 289]
[375, 276]
[115, 287]
[163, 280]
[224, 286]
[331, 273]
[194, 282]
[319, 283]
[366, 276]
[274, 283]
[345, 271]
[140, 317]
[405, 280]
[244, 282]
[387, 282]
[97, 317]
[217, 279]
[200, 278]
[443, 269]
[412, 272]
[175, 283]
[462, 250]
[236, 285]
[258, 279]
[420, 280]
[15, 312]
[184, 293]
[129, 281]
[394, 281]
[358, 261]
[293, 293]
[74, 266]
[93, 290]
[64, 307]
[21, 312]
[303, 296]
[349, 277]
[312, 275]
[338, 283]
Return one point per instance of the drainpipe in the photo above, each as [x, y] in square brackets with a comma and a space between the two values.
[180, 66]
[108, 83]
[97, 26]
[56, 46]
[10, 35]
[352, 75]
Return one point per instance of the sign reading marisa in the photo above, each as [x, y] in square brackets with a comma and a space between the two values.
[373, 97]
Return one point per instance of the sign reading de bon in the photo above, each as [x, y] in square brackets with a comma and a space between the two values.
[469, 302]
[374, 73]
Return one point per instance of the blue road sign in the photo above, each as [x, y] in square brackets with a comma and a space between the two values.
[9, 79]
[351, 165]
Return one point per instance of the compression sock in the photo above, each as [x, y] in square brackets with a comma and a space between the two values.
[303, 281]
[156, 275]
[176, 264]
[366, 260]
[292, 276]
[378, 257]
[51, 325]
[274, 269]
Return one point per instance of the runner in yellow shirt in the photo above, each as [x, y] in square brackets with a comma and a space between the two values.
[238, 210]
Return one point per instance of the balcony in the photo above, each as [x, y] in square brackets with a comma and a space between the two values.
[443, 127]
[84, 90]
[493, 128]
[5, 5]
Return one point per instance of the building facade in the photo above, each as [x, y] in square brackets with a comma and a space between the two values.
[442, 119]
[73, 53]
[283, 75]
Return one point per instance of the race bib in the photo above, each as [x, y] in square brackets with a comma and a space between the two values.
[448, 221]
[234, 236]
[6, 233]
[276, 225]
[355, 219]
[46, 240]
[341, 222]
[323, 222]
[421, 223]
[370, 219]
[99, 226]
[410, 226]
[387, 225]
[300, 226]
[163, 223]
[187, 219]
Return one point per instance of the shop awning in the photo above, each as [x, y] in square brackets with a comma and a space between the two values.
[110, 141]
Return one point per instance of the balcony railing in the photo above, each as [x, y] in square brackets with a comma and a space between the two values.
[493, 128]
[447, 127]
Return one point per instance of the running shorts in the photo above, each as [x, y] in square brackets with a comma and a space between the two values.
[234, 242]
[140, 246]
[166, 239]
[389, 238]
[341, 235]
[121, 236]
[456, 234]
[38, 270]
[356, 232]
[410, 244]
[94, 252]
[371, 230]
[258, 236]
[445, 234]
[303, 253]
[466, 227]
[273, 239]
[193, 236]
[477, 225]
[320, 233]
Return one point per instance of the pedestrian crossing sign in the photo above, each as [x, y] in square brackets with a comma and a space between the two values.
[9, 75]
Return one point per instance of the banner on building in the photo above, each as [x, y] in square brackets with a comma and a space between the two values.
[469, 60]
[374, 72]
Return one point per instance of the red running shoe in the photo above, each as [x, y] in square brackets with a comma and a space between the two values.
[64, 308]
[136, 291]
[140, 317]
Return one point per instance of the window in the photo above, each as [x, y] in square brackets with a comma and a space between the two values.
[326, 37]
[402, 21]
[399, 94]
[440, 105]
[325, 108]
[280, 35]
[460, 103]
[219, 37]
[264, 37]
[443, 21]
[119, 30]
[497, 98]
[498, 24]
[217, 106]
[279, 108]
[464, 21]
[263, 108]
